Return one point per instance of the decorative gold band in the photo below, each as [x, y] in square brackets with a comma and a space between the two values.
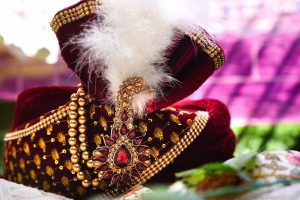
[199, 124]
[210, 48]
[43, 123]
[73, 14]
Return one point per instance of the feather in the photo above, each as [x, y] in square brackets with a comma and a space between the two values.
[131, 37]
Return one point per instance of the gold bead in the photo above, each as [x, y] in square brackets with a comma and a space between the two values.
[85, 155]
[80, 176]
[82, 129]
[83, 146]
[73, 150]
[86, 183]
[82, 137]
[72, 115]
[82, 120]
[76, 168]
[95, 182]
[72, 132]
[72, 141]
[74, 97]
[73, 123]
[81, 101]
[81, 111]
[90, 163]
[73, 106]
[74, 159]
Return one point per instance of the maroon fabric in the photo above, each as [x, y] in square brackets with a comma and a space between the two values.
[186, 60]
[215, 143]
[34, 102]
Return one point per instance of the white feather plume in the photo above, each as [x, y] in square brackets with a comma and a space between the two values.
[130, 38]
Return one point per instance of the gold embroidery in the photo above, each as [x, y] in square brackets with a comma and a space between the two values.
[49, 171]
[42, 144]
[65, 181]
[26, 149]
[32, 175]
[174, 137]
[155, 152]
[20, 178]
[14, 152]
[143, 127]
[158, 133]
[61, 137]
[37, 160]
[69, 165]
[49, 129]
[175, 119]
[109, 110]
[54, 154]
[92, 111]
[22, 164]
[199, 124]
[97, 139]
[46, 186]
[103, 122]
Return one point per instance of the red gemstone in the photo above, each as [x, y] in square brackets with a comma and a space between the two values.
[126, 179]
[108, 176]
[140, 149]
[115, 135]
[103, 168]
[140, 167]
[103, 150]
[102, 159]
[122, 157]
[115, 179]
[123, 130]
[135, 173]
[132, 134]
[108, 141]
[137, 141]
[143, 158]
[124, 116]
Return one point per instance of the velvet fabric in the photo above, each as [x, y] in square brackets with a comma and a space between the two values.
[187, 62]
[31, 163]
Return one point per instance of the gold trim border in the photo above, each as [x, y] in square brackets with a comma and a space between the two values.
[73, 14]
[42, 124]
[198, 126]
[210, 48]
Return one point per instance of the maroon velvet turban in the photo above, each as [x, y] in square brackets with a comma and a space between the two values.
[65, 140]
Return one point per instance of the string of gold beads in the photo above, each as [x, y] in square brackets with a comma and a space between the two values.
[77, 125]
[43, 123]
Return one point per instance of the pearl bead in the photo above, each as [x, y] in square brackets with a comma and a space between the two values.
[72, 141]
[95, 182]
[81, 102]
[74, 159]
[85, 155]
[72, 132]
[73, 150]
[73, 106]
[90, 163]
[86, 183]
[80, 176]
[81, 111]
